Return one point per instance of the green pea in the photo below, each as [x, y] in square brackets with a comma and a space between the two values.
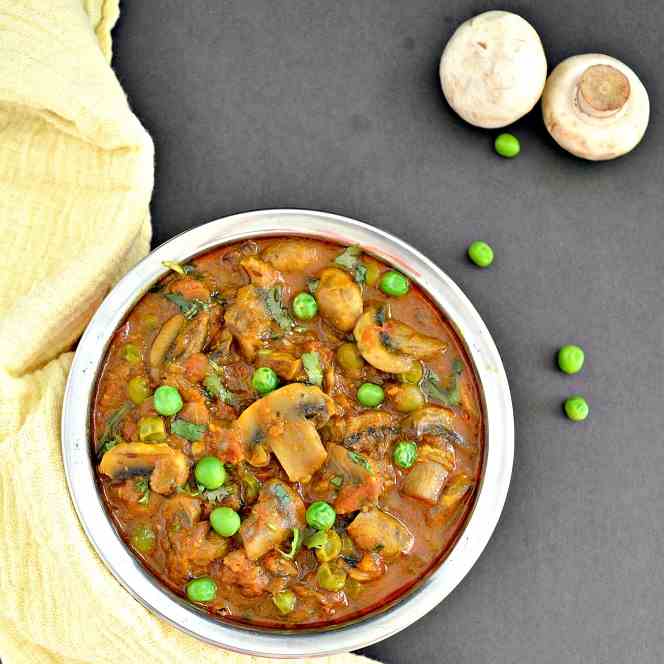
[138, 389]
[284, 601]
[394, 283]
[264, 380]
[405, 453]
[406, 397]
[349, 358]
[370, 395]
[507, 145]
[210, 472]
[225, 521]
[320, 515]
[143, 539]
[331, 577]
[481, 254]
[305, 306]
[202, 590]
[570, 359]
[576, 408]
[167, 400]
[151, 430]
[131, 354]
[330, 549]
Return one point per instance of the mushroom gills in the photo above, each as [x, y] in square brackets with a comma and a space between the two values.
[390, 345]
[166, 466]
[285, 422]
[278, 511]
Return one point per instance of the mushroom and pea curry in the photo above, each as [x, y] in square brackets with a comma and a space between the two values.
[287, 432]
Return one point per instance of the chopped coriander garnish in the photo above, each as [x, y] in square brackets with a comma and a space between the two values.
[188, 430]
[215, 388]
[189, 308]
[274, 306]
[312, 367]
[431, 386]
[350, 260]
[143, 487]
[359, 460]
[296, 545]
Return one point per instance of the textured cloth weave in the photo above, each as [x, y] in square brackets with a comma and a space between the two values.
[76, 176]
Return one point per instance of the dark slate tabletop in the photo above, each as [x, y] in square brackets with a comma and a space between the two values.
[336, 106]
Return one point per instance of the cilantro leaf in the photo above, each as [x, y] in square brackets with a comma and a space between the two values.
[311, 364]
[275, 308]
[350, 260]
[188, 430]
[432, 387]
[349, 257]
[189, 308]
[109, 438]
[215, 388]
[337, 481]
[312, 285]
[143, 488]
[296, 545]
[360, 461]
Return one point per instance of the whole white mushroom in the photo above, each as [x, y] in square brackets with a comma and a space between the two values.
[493, 69]
[595, 107]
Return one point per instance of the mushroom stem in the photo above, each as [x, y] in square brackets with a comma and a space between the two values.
[602, 91]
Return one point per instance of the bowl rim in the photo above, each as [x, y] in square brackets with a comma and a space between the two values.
[156, 597]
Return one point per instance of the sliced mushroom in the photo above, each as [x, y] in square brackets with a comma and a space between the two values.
[390, 345]
[285, 421]
[376, 530]
[262, 274]
[339, 298]
[294, 255]
[166, 466]
[368, 430]
[359, 486]
[163, 341]
[493, 69]
[433, 421]
[279, 509]
[191, 338]
[248, 321]
[595, 107]
[427, 478]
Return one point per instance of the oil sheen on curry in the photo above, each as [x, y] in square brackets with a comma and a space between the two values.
[287, 432]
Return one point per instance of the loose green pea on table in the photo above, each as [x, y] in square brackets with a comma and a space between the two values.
[571, 359]
[576, 408]
[480, 253]
[507, 145]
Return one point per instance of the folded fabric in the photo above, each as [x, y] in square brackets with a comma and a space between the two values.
[76, 176]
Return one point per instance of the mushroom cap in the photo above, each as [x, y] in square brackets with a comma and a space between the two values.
[493, 69]
[595, 107]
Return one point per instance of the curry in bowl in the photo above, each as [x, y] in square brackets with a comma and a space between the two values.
[288, 432]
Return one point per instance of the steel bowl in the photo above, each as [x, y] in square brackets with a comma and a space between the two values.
[424, 596]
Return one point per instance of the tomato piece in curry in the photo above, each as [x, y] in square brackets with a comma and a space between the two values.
[389, 515]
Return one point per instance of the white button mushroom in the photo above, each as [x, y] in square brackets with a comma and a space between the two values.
[595, 107]
[493, 69]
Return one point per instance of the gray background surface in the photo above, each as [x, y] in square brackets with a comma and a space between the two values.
[336, 106]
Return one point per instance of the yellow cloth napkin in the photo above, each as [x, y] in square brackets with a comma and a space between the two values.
[76, 176]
